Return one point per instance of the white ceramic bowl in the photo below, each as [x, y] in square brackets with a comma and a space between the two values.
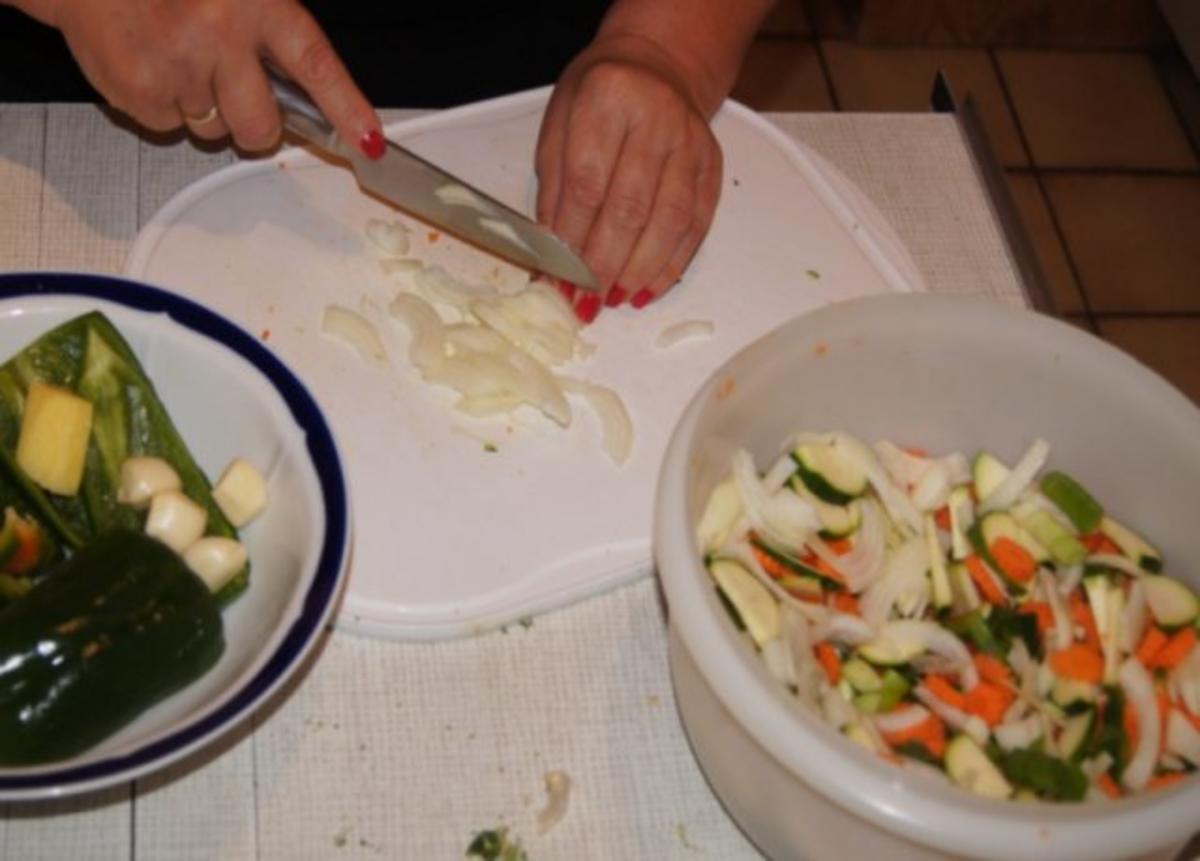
[948, 374]
[229, 396]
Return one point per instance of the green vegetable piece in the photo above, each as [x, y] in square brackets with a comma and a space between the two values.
[894, 689]
[1050, 777]
[103, 636]
[1008, 625]
[1110, 737]
[916, 750]
[493, 844]
[793, 564]
[1073, 500]
[974, 627]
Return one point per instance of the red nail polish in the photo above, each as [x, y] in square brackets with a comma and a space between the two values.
[642, 298]
[567, 289]
[616, 295]
[372, 144]
[588, 308]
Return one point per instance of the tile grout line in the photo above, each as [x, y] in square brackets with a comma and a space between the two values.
[1108, 170]
[1176, 108]
[1034, 169]
[818, 38]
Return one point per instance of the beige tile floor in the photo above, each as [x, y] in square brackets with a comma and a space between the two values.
[1102, 150]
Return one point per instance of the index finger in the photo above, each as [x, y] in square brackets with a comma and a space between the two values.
[297, 44]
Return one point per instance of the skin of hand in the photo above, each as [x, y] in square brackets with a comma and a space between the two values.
[167, 63]
[629, 170]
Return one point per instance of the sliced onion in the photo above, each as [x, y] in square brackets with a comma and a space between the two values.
[863, 565]
[558, 794]
[809, 675]
[903, 467]
[390, 237]
[537, 320]
[394, 267]
[454, 194]
[355, 330]
[778, 660]
[1185, 682]
[1064, 632]
[1069, 578]
[439, 286]
[844, 628]
[836, 710]
[1139, 690]
[1133, 618]
[903, 574]
[1183, 739]
[897, 503]
[783, 517]
[1021, 476]
[506, 232]
[901, 719]
[683, 331]
[1097, 766]
[427, 342]
[1018, 734]
[932, 637]
[779, 473]
[615, 423]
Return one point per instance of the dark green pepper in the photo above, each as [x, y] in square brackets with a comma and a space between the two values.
[102, 637]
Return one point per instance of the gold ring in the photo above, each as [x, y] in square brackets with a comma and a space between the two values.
[204, 118]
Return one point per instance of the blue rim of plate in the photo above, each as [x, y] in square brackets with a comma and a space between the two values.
[323, 452]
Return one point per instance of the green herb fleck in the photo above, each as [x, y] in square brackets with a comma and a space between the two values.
[812, 273]
[493, 845]
[490, 447]
[525, 622]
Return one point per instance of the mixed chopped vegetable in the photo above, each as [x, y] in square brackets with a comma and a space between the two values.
[996, 623]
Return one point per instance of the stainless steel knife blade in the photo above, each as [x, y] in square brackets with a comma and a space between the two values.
[413, 184]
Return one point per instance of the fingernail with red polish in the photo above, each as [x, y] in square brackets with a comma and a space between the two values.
[567, 289]
[616, 295]
[372, 144]
[642, 298]
[588, 308]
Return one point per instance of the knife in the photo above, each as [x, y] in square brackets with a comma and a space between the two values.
[404, 179]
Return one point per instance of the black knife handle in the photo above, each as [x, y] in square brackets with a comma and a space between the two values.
[300, 115]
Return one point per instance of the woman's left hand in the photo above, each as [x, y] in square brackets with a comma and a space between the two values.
[629, 171]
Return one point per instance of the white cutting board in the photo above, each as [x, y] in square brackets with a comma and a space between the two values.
[451, 538]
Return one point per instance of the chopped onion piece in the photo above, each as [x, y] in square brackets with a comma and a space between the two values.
[956, 718]
[1069, 578]
[836, 710]
[901, 719]
[558, 794]
[454, 194]
[390, 237]
[795, 632]
[1016, 734]
[1185, 681]
[1095, 767]
[903, 574]
[779, 473]
[1139, 690]
[615, 423]
[863, 565]
[506, 232]
[354, 330]
[537, 320]
[783, 517]
[932, 637]
[394, 266]
[844, 628]
[1064, 632]
[1020, 478]
[1133, 618]
[438, 285]
[427, 342]
[1183, 739]
[683, 331]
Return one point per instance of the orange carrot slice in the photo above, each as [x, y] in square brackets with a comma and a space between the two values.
[941, 517]
[1081, 613]
[1108, 786]
[830, 661]
[1176, 650]
[769, 563]
[1152, 642]
[844, 602]
[930, 732]
[1080, 662]
[984, 580]
[1162, 781]
[1015, 561]
[993, 669]
[941, 688]
[1098, 542]
[989, 701]
[1041, 609]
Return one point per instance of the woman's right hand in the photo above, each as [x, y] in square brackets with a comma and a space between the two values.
[169, 63]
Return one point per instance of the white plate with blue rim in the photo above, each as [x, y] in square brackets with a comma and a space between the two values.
[229, 397]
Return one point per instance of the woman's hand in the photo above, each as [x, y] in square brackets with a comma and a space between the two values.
[167, 63]
[629, 171]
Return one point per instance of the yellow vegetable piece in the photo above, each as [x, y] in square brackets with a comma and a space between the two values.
[52, 446]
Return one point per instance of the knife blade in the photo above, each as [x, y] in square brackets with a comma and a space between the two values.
[405, 180]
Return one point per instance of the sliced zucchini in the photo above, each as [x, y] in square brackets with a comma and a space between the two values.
[859, 736]
[869, 703]
[1064, 547]
[1171, 602]
[966, 596]
[1077, 730]
[830, 473]
[1097, 588]
[1132, 545]
[988, 473]
[804, 588]
[962, 514]
[837, 521]
[886, 651]
[1074, 695]
[755, 605]
[1073, 500]
[894, 689]
[1000, 524]
[861, 676]
[970, 768]
[939, 578]
[721, 513]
